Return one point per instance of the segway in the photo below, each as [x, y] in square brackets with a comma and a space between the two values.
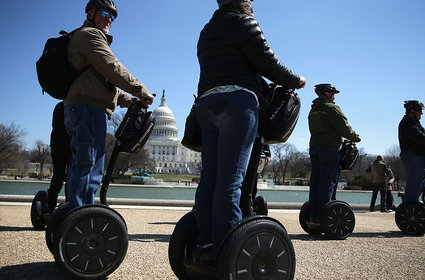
[258, 247]
[91, 241]
[410, 218]
[337, 220]
[38, 208]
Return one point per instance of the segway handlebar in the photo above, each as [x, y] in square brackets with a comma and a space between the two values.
[131, 136]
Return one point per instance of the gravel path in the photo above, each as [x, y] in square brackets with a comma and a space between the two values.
[375, 250]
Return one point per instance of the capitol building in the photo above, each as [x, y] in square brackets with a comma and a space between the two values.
[165, 148]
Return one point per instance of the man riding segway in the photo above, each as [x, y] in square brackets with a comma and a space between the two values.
[410, 215]
[328, 126]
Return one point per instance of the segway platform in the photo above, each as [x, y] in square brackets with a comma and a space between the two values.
[337, 220]
[257, 248]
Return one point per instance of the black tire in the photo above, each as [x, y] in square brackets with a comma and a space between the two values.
[303, 217]
[38, 207]
[91, 242]
[261, 206]
[337, 220]
[182, 244]
[410, 218]
[257, 249]
[55, 220]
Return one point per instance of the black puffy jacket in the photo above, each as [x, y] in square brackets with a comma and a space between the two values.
[232, 50]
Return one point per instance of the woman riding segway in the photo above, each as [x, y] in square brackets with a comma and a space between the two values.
[231, 60]
[232, 54]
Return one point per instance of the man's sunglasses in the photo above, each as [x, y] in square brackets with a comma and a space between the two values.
[107, 15]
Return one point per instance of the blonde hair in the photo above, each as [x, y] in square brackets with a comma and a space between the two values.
[245, 6]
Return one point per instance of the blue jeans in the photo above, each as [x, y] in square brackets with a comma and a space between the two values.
[415, 171]
[229, 123]
[324, 173]
[86, 124]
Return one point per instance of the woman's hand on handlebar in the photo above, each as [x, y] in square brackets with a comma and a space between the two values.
[302, 82]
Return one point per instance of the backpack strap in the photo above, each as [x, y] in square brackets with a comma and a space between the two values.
[63, 32]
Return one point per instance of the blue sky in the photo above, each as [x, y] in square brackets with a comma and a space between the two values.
[373, 51]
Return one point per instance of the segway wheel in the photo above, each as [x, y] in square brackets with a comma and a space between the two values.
[38, 207]
[258, 248]
[261, 206]
[337, 220]
[181, 247]
[410, 218]
[54, 221]
[304, 217]
[91, 242]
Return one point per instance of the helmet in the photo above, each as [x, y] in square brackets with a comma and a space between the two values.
[225, 2]
[322, 88]
[413, 104]
[103, 4]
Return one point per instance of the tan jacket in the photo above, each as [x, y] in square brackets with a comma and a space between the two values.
[379, 172]
[98, 84]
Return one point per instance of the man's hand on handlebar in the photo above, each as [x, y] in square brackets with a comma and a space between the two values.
[144, 95]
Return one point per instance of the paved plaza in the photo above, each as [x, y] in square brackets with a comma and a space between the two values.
[375, 250]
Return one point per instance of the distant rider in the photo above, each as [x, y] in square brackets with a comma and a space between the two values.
[411, 137]
[328, 125]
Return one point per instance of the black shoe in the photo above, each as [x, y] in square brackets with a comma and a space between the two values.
[51, 204]
[386, 211]
[204, 256]
[313, 223]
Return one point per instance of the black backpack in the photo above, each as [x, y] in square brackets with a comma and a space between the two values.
[349, 155]
[280, 114]
[135, 128]
[55, 73]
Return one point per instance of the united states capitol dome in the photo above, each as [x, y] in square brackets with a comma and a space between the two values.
[165, 123]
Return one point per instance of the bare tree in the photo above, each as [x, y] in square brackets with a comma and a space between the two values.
[10, 145]
[282, 155]
[40, 154]
[300, 165]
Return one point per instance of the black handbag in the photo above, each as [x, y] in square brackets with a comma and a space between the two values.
[349, 155]
[279, 114]
[192, 131]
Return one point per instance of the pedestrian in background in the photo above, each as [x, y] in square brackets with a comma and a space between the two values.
[380, 174]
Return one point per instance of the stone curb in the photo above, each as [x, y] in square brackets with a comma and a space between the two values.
[163, 202]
